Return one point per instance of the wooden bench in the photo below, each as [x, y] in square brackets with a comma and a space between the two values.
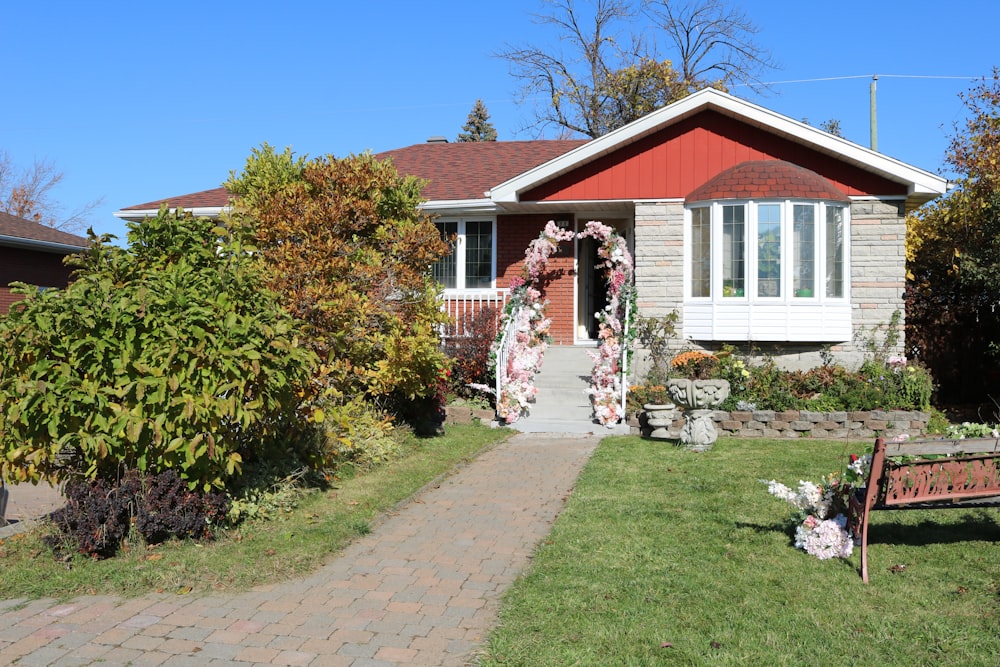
[967, 475]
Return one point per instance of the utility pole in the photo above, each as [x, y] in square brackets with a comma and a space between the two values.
[874, 119]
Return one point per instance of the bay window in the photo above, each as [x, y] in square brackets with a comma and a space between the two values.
[471, 264]
[787, 255]
[767, 270]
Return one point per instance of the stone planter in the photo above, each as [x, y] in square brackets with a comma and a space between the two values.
[699, 398]
[660, 417]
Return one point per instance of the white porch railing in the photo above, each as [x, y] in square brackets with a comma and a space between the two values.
[462, 306]
[624, 367]
[504, 346]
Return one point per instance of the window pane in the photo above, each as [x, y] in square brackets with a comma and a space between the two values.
[835, 251]
[804, 250]
[733, 250]
[478, 254]
[701, 252]
[444, 270]
[769, 250]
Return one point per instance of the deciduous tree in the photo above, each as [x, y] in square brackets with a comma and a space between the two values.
[28, 193]
[611, 71]
[953, 256]
[714, 43]
[343, 242]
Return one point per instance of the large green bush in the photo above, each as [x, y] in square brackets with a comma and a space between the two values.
[165, 355]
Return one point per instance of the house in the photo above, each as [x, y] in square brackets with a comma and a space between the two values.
[759, 230]
[33, 253]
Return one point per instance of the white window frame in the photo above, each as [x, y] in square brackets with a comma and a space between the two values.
[785, 317]
[459, 253]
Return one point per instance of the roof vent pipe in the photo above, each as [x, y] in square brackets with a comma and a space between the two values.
[437, 140]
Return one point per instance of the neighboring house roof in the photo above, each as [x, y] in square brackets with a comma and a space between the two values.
[767, 179]
[467, 170]
[208, 203]
[462, 171]
[17, 232]
[664, 155]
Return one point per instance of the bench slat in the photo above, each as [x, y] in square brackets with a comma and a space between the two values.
[941, 479]
[945, 447]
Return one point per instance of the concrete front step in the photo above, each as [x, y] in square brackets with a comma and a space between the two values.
[562, 404]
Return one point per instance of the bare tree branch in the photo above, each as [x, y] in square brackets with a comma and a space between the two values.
[714, 42]
[601, 73]
[27, 194]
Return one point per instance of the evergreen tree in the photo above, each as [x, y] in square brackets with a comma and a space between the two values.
[478, 126]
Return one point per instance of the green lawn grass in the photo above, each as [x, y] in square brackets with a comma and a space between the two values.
[667, 557]
[259, 552]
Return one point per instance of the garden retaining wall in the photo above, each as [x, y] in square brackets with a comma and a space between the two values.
[805, 424]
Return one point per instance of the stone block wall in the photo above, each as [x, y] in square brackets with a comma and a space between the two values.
[804, 424]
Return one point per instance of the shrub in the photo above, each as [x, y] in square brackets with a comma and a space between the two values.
[655, 334]
[470, 354]
[168, 354]
[342, 240]
[167, 509]
[972, 430]
[99, 514]
[356, 433]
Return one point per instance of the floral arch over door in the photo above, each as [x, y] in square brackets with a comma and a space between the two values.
[527, 326]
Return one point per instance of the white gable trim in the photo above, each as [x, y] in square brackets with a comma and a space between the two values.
[920, 183]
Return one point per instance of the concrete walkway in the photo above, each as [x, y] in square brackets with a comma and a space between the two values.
[422, 589]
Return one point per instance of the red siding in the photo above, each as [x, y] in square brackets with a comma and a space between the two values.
[515, 233]
[674, 161]
[44, 269]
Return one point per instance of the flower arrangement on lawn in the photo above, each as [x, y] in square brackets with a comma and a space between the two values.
[821, 509]
[614, 327]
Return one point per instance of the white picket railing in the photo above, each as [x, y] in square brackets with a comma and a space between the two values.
[624, 367]
[504, 346]
[461, 307]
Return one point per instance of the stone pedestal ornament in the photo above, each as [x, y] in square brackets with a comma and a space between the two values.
[699, 398]
[660, 417]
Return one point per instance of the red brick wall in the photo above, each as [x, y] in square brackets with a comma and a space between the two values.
[44, 269]
[514, 233]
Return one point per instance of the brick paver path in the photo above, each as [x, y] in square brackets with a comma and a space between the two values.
[421, 589]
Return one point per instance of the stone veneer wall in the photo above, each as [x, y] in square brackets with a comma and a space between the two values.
[804, 424]
[878, 277]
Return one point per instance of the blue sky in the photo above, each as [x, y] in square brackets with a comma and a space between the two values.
[138, 101]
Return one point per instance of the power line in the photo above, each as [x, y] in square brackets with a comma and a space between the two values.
[869, 76]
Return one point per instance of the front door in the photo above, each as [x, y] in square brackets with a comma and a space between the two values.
[593, 294]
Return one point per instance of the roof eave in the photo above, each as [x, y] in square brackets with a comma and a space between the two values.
[140, 214]
[43, 246]
[444, 206]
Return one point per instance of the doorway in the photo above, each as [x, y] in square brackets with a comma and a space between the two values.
[593, 294]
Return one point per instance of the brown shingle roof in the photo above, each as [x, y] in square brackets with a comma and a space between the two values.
[767, 179]
[206, 198]
[463, 170]
[33, 232]
[466, 170]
